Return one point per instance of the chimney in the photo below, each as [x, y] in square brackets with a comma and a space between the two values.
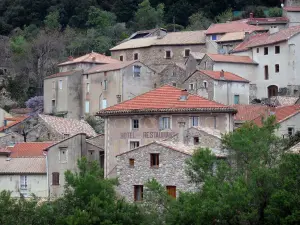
[94, 58]
[118, 98]
[184, 95]
[70, 58]
[273, 29]
[181, 124]
[222, 76]
[251, 16]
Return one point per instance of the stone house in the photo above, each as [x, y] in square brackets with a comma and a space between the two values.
[164, 161]
[165, 48]
[153, 116]
[193, 61]
[109, 84]
[10, 139]
[291, 10]
[277, 53]
[146, 33]
[223, 87]
[52, 128]
[172, 74]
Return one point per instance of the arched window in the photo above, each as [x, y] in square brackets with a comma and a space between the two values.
[272, 91]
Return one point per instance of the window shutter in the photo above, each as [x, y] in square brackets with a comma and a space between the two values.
[161, 123]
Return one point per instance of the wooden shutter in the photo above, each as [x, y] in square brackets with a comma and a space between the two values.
[55, 178]
[171, 191]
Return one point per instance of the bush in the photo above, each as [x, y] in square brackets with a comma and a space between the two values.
[275, 12]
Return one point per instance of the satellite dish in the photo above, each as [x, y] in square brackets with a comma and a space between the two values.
[221, 51]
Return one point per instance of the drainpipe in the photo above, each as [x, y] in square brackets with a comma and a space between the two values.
[47, 172]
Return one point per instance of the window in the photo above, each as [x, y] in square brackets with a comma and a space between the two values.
[290, 131]
[87, 76]
[105, 85]
[257, 50]
[168, 54]
[154, 160]
[236, 99]
[277, 68]
[55, 178]
[134, 144]
[272, 91]
[87, 87]
[131, 162]
[205, 84]
[266, 73]
[214, 37]
[171, 191]
[194, 121]
[23, 182]
[174, 84]
[63, 155]
[53, 104]
[138, 193]
[104, 104]
[121, 58]
[60, 84]
[191, 86]
[87, 106]
[135, 56]
[277, 49]
[266, 51]
[135, 124]
[196, 141]
[136, 71]
[165, 123]
[187, 52]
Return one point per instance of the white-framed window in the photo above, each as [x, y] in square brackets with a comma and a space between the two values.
[63, 155]
[194, 121]
[135, 56]
[214, 37]
[87, 87]
[136, 71]
[187, 52]
[164, 123]
[168, 54]
[23, 182]
[60, 84]
[135, 123]
[291, 131]
[105, 85]
[104, 103]
[87, 106]
[134, 144]
[191, 86]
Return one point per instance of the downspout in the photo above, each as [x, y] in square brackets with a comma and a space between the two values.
[47, 171]
[227, 94]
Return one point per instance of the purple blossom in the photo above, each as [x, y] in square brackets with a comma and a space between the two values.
[36, 104]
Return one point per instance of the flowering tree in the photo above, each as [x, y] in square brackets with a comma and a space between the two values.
[36, 104]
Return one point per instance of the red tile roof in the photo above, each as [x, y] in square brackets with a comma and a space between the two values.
[268, 20]
[165, 99]
[281, 35]
[20, 110]
[231, 59]
[227, 75]
[32, 165]
[284, 112]
[247, 42]
[249, 112]
[29, 149]
[13, 121]
[234, 26]
[109, 67]
[92, 57]
[62, 74]
[292, 8]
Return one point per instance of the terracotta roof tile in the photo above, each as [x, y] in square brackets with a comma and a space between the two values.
[233, 36]
[231, 58]
[109, 67]
[249, 41]
[281, 35]
[269, 20]
[249, 112]
[173, 38]
[92, 57]
[28, 149]
[228, 76]
[234, 26]
[292, 8]
[12, 121]
[284, 112]
[62, 74]
[68, 126]
[165, 99]
[30, 165]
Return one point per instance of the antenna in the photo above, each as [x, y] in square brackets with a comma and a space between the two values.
[173, 23]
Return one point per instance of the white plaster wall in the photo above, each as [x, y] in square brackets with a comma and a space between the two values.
[37, 184]
[294, 18]
[224, 92]
[293, 121]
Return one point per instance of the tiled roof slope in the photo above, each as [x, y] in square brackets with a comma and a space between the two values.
[281, 35]
[92, 57]
[233, 36]
[249, 112]
[23, 165]
[173, 38]
[292, 8]
[13, 121]
[284, 112]
[28, 149]
[235, 26]
[62, 74]
[269, 20]
[165, 99]
[109, 67]
[231, 58]
[227, 76]
[249, 41]
[68, 126]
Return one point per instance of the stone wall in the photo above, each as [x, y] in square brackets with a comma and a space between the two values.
[206, 64]
[10, 139]
[173, 75]
[171, 170]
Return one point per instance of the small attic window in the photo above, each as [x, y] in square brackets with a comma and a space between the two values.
[196, 141]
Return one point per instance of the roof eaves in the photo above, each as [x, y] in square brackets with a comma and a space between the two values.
[56, 143]
[286, 118]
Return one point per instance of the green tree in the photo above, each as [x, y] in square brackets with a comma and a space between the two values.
[52, 21]
[275, 12]
[198, 21]
[224, 16]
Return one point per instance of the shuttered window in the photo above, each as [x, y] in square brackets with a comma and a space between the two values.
[131, 162]
[55, 178]
[171, 191]
[154, 160]
[138, 193]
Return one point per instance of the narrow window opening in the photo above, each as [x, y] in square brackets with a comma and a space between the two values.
[154, 160]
